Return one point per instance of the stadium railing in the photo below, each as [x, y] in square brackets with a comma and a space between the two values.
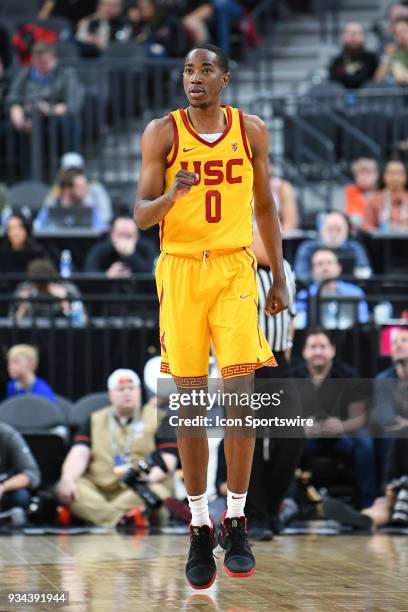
[321, 131]
[120, 329]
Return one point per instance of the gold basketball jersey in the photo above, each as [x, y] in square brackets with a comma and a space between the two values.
[217, 212]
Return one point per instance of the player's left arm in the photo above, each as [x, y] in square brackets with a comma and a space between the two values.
[266, 214]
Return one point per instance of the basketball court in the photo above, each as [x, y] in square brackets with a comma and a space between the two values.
[105, 572]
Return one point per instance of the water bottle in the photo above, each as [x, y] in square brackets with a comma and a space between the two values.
[385, 220]
[77, 314]
[66, 263]
[383, 312]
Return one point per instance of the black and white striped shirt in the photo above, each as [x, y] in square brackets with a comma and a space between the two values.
[277, 328]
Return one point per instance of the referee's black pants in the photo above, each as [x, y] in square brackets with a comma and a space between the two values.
[277, 453]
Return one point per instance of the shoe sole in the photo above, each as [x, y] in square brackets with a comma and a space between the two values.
[239, 574]
[205, 586]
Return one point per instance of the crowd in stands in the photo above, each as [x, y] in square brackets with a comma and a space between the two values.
[355, 65]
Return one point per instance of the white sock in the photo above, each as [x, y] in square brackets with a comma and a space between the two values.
[199, 510]
[235, 504]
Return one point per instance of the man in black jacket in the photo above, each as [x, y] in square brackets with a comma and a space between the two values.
[19, 471]
[123, 254]
[354, 66]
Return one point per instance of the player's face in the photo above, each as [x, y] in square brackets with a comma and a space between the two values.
[318, 351]
[203, 78]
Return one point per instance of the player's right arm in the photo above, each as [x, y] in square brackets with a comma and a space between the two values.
[151, 203]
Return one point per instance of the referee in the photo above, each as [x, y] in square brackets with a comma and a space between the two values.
[275, 457]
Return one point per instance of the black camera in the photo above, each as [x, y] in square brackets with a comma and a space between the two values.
[400, 511]
[133, 479]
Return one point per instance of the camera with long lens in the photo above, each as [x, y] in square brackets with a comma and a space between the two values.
[400, 512]
[133, 478]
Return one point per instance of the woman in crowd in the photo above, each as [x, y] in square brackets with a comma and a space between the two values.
[18, 247]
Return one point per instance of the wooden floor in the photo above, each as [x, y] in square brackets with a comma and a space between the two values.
[112, 572]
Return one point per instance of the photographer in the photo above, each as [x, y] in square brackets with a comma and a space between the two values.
[112, 441]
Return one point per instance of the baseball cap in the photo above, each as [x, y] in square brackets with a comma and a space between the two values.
[72, 160]
[121, 377]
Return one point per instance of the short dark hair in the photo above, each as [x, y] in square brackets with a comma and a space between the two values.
[222, 58]
[324, 248]
[38, 268]
[315, 331]
[67, 176]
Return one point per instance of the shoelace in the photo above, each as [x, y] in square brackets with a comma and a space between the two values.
[202, 546]
[239, 539]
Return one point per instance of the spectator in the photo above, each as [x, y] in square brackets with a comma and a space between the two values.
[333, 315]
[22, 363]
[123, 254]
[73, 191]
[112, 440]
[388, 209]
[97, 194]
[194, 15]
[339, 411]
[65, 295]
[385, 509]
[51, 90]
[285, 200]
[354, 66]
[74, 10]
[227, 13]
[160, 33]
[396, 13]
[394, 63]
[19, 470]
[365, 174]
[105, 26]
[18, 246]
[334, 234]
[389, 411]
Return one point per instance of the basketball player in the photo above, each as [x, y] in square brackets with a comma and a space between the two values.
[201, 167]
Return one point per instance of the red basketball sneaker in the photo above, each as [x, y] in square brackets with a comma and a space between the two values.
[239, 562]
[201, 570]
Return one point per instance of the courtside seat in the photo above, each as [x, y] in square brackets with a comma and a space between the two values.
[43, 425]
[84, 407]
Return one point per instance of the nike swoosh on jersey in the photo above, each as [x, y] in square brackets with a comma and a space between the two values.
[190, 149]
[243, 297]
